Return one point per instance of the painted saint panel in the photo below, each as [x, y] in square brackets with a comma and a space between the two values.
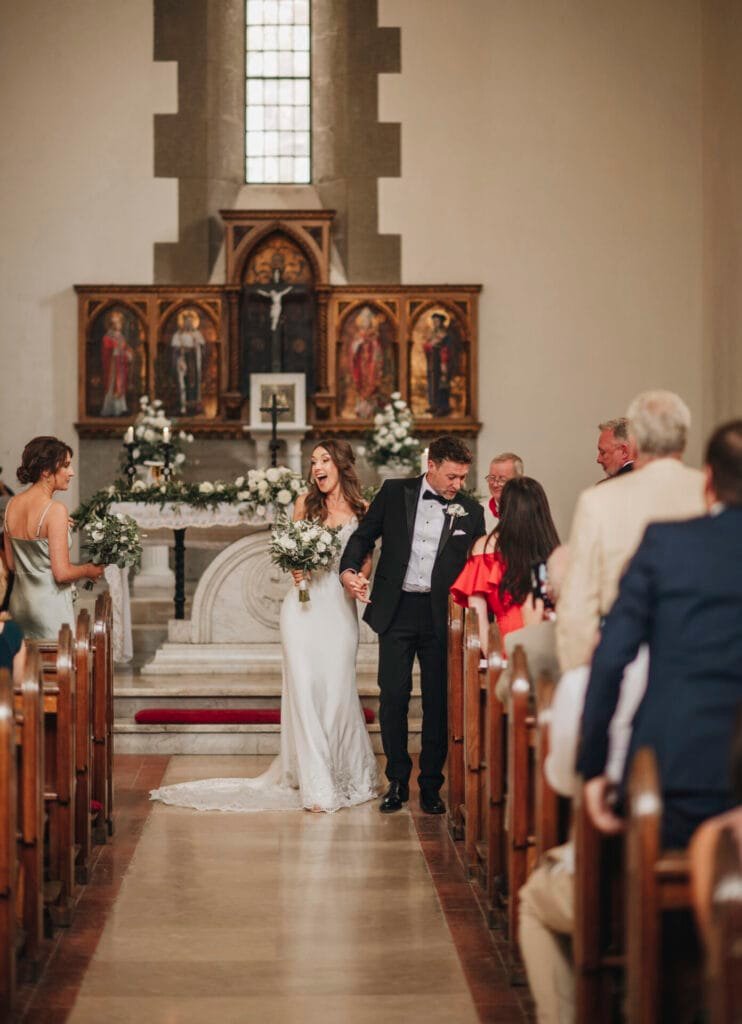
[438, 366]
[187, 370]
[116, 363]
[367, 370]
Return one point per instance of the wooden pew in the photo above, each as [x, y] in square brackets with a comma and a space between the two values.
[598, 930]
[102, 780]
[473, 742]
[656, 881]
[8, 868]
[29, 735]
[724, 945]
[59, 758]
[455, 767]
[83, 745]
[533, 805]
[495, 767]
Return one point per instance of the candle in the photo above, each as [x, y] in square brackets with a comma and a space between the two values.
[129, 435]
[424, 461]
[166, 435]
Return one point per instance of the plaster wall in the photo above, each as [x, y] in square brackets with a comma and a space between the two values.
[78, 199]
[553, 152]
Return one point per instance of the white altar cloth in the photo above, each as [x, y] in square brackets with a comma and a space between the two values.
[174, 516]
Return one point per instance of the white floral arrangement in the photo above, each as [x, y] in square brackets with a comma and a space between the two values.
[149, 436]
[304, 545]
[112, 539]
[391, 443]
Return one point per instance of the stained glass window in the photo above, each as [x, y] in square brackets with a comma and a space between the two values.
[278, 115]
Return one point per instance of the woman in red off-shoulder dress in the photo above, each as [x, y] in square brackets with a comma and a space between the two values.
[496, 579]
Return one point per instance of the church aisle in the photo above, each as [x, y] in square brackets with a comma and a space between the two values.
[274, 917]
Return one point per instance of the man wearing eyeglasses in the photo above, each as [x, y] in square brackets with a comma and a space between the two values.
[502, 468]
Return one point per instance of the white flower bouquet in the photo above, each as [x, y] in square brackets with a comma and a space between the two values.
[112, 539]
[149, 437]
[303, 545]
[276, 486]
[391, 443]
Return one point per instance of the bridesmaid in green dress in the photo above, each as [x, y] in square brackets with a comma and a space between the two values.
[37, 542]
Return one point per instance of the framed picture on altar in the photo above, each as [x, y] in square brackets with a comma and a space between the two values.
[290, 390]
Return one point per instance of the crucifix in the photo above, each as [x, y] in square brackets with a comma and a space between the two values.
[275, 410]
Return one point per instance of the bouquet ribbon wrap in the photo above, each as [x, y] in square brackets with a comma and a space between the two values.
[118, 584]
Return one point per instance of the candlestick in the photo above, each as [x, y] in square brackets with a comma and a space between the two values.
[129, 435]
[424, 461]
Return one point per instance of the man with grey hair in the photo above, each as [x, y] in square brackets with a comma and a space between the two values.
[616, 447]
[609, 521]
[503, 467]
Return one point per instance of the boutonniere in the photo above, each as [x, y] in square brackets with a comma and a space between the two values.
[456, 511]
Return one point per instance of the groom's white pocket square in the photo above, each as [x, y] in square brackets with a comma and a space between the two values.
[459, 533]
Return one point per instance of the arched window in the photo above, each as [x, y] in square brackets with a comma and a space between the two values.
[278, 114]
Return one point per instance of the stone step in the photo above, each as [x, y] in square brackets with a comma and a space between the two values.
[130, 738]
[127, 700]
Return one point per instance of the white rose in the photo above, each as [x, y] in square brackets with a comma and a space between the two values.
[263, 488]
[206, 487]
[395, 395]
[296, 486]
[139, 485]
[360, 449]
[149, 435]
[243, 495]
[325, 537]
[220, 487]
[260, 511]
[179, 458]
[400, 405]
[272, 475]
[321, 546]
[96, 535]
[139, 431]
[239, 482]
[378, 419]
[283, 497]
[163, 488]
[395, 446]
[290, 544]
[182, 435]
[111, 489]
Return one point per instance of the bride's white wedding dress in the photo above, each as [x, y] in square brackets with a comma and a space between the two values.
[326, 760]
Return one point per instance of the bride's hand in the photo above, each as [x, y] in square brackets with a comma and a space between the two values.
[299, 575]
[362, 589]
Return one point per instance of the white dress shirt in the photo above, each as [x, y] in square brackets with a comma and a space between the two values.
[430, 519]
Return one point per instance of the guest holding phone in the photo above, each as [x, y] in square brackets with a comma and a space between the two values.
[497, 578]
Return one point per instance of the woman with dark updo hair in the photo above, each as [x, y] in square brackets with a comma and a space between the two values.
[37, 542]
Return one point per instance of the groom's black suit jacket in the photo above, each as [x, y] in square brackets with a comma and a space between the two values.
[391, 516]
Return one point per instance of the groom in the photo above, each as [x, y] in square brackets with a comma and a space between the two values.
[426, 533]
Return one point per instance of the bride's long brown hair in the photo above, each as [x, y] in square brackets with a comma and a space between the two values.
[341, 453]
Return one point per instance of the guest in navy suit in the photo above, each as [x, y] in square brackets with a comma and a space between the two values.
[681, 594]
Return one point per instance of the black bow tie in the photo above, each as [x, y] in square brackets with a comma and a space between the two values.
[432, 496]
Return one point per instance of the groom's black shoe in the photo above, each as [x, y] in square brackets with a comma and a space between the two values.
[431, 803]
[397, 795]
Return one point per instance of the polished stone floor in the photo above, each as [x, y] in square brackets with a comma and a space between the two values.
[270, 917]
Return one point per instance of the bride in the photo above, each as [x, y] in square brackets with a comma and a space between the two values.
[326, 761]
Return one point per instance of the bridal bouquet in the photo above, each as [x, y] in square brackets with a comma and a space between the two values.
[305, 545]
[112, 539]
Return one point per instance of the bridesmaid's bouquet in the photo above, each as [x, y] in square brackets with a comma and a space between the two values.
[112, 538]
[304, 545]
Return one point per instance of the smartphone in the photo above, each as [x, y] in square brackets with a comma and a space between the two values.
[540, 585]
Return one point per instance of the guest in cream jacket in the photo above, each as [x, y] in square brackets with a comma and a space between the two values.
[610, 520]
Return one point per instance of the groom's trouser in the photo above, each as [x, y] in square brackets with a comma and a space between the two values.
[410, 634]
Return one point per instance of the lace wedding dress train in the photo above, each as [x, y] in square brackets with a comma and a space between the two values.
[326, 761]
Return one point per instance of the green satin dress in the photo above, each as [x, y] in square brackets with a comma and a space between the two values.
[38, 603]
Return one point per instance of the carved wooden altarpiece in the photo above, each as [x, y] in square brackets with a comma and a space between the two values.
[194, 347]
